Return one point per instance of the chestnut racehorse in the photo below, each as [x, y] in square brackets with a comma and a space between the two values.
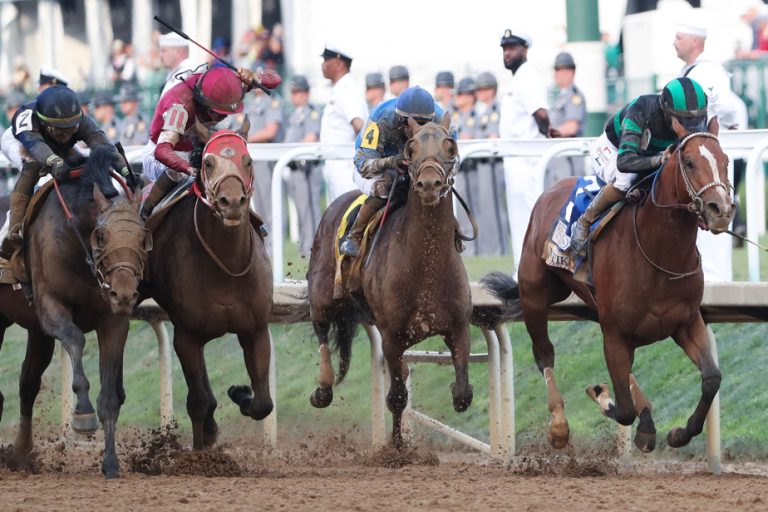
[415, 285]
[210, 272]
[648, 284]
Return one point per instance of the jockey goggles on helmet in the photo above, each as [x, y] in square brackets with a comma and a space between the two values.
[686, 100]
[58, 109]
[221, 91]
[417, 103]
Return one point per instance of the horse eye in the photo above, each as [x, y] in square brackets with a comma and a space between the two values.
[689, 163]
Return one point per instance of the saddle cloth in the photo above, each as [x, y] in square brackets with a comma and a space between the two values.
[557, 250]
[347, 277]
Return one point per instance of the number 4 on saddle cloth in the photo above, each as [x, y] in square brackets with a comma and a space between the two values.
[557, 250]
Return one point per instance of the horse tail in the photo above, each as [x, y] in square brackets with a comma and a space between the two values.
[343, 332]
[503, 287]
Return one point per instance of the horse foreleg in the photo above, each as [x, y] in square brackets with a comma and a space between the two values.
[461, 389]
[57, 322]
[322, 396]
[619, 357]
[112, 334]
[256, 350]
[544, 353]
[38, 357]
[190, 353]
[645, 436]
[397, 397]
[694, 341]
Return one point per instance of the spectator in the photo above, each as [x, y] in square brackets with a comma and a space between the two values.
[399, 80]
[12, 103]
[463, 118]
[568, 115]
[444, 84]
[122, 66]
[174, 56]
[21, 80]
[374, 90]
[272, 53]
[134, 128]
[342, 119]
[723, 103]
[222, 48]
[523, 116]
[490, 210]
[305, 180]
[104, 114]
[49, 77]
[266, 116]
[758, 23]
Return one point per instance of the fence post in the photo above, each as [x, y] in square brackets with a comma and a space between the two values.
[713, 417]
[166, 372]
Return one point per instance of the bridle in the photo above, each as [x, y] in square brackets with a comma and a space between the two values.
[414, 171]
[228, 145]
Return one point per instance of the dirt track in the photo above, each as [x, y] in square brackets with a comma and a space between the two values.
[308, 478]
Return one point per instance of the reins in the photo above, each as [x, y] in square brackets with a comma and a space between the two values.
[212, 254]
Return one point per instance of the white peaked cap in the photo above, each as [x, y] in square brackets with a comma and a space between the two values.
[173, 40]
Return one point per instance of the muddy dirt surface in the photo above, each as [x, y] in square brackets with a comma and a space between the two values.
[160, 472]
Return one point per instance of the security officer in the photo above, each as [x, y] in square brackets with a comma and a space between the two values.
[463, 118]
[374, 90]
[266, 116]
[399, 80]
[134, 129]
[305, 180]
[104, 113]
[568, 115]
[444, 84]
[49, 77]
[491, 212]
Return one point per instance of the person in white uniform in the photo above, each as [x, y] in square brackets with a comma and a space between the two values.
[716, 251]
[343, 117]
[523, 115]
[174, 56]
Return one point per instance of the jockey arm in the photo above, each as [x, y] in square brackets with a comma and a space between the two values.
[175, 121]
[631, 158]
[374, 153]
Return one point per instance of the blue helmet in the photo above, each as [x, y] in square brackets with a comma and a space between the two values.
[59, 106]
[415, 102]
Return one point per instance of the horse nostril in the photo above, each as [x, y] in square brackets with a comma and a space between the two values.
[243, 201]
[224, 202]
[419, 184]
[112, 294]
[436, 184]
[714, 207]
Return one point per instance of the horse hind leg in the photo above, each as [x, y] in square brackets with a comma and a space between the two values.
[694, 340]
[38, 356]
[645, 435]
[322, 396]
[619, 357]
[190, 353]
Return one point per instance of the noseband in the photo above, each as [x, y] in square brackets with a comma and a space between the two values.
[697, 205]
[440, 167]
[229, 146]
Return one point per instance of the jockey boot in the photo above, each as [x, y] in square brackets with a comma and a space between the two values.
[580, 229]
[22, 193]
[351, 244]
[160, 188]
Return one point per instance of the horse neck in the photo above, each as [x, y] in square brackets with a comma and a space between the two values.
[232, 244]
[429, 228]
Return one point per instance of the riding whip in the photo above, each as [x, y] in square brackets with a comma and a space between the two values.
[268, 81]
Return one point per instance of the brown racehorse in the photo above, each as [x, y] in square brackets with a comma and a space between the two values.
[210, 272]
[648, 284]
[70, 300]
[415, 285]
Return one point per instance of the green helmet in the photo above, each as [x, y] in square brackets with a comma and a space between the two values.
[686, 100]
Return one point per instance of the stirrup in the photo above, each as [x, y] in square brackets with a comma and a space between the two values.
[349, 248]
[578, 244]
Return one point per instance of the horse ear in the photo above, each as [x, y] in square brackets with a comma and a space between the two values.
[413, 125]
[450, 146]
[408, 149]
[714, 126]
[678, 128]
[202, 131]
[101, 202]
[137, 197]
[445, 122]
[245, 128]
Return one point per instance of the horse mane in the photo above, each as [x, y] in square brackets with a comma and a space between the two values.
[97, 171]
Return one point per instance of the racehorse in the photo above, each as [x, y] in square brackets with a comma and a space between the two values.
[210, 272]
[74, 294]
[415, 285]
[648, 284]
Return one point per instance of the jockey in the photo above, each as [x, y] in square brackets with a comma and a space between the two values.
[638, 140]
[43, 135]
[208, 97]
[379, 148]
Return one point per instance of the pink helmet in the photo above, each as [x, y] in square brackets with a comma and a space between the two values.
[221, 90]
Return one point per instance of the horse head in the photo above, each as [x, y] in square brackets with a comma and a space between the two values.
[120, 243]
[703, 170]
[432, 153]
[227, 172]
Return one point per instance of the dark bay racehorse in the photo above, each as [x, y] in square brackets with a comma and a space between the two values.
[210, 272]
[415, 285]
[69, 300]
[648, 284]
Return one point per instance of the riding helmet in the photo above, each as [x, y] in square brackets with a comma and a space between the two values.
[58, 106]
[685, 99]
[221, 90]
[415, 102]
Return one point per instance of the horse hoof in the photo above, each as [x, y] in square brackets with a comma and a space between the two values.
[321, 397]
[461, 401]
[645, 441]
[110, 468]
[677, 437]
[85, 423]
[209, 438]
[558, 435]
[259, 413]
